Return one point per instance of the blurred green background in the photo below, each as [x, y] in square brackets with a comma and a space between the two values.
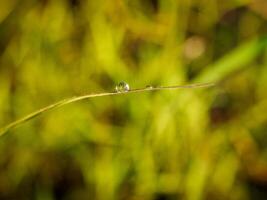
[187, 144]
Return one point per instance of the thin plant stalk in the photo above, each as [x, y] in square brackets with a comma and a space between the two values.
[63, 102]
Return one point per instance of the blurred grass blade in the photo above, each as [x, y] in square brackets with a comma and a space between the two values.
[234, 61]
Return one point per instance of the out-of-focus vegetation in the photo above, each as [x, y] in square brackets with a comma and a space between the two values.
[186, 144]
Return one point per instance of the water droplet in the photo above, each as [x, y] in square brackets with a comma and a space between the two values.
[122, 87]
[149, 87]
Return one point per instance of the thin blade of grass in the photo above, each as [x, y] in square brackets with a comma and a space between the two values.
[63, 102]
[234, 61]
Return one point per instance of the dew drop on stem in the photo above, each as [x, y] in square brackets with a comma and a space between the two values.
[122, 87]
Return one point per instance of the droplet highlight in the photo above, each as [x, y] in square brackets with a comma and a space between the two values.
[149, 87]
[122, 87]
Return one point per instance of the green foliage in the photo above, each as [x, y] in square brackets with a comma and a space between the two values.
[182, 144]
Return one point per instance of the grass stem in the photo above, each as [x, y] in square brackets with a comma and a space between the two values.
[63, 102]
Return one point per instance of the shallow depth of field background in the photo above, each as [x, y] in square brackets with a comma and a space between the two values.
[188, 144]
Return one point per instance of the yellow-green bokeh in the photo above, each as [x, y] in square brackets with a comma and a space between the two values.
[207, 143]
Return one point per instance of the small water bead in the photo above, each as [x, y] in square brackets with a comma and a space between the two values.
[122, 87]
[149, 87]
